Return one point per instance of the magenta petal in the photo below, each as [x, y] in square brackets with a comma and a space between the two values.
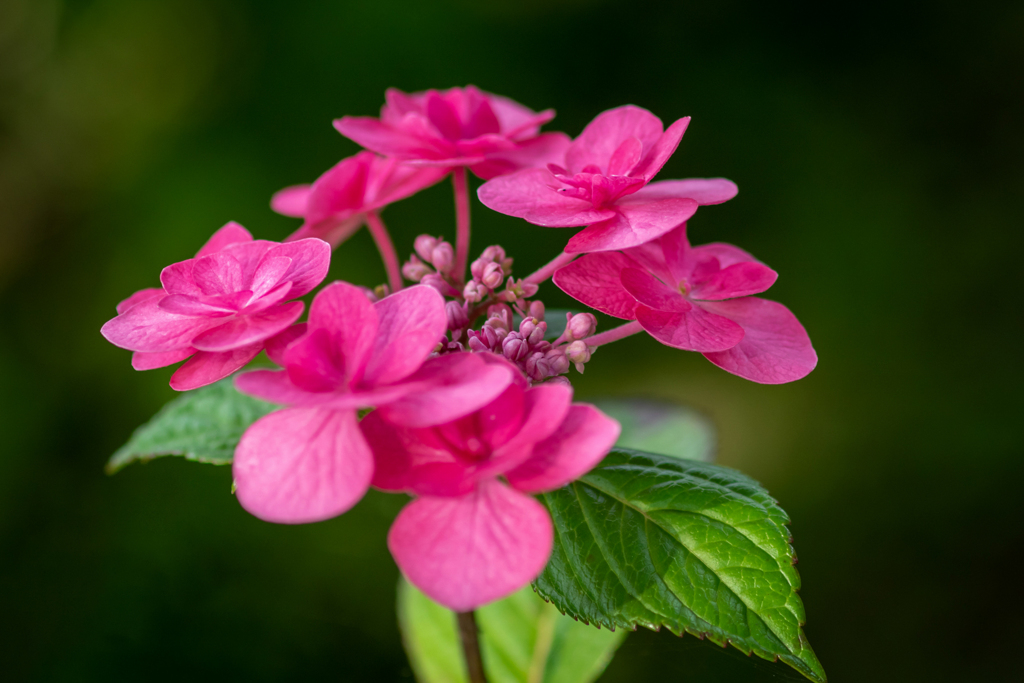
[546, 407]
[694, 330]
[177, 279]
[702, 190]
[242, 330]
[410, 324]
[219, 274]
[151, 361]
[583, 439]
[414, 460]
[343, 310]
[302, 465]
[278, 344]
[291, 201]
[138, 297]
[332, 230]
[595, 279]
[274, 386]
[602, 136]
[206, 368]
[535, 152]
[409, 142]
[232, 233]
[530, 195]
[468, 551]
[147, 327]
[726, 254]
[656, 156]
[453, 385]
[310, 259]
[739, 279]
[775, 347]
[391, 181]
[652, 292]
[637, 221]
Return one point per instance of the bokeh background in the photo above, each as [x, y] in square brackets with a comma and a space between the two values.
[878, 148]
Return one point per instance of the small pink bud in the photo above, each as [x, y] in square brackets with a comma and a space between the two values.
[456, 312]
[514, 347]
[506, 264]
[527, 326]
[381, 291]
[581, 325]
[537, 310]
[492, 276]
[579, 353]
[476, 343]
[564, 381]
[528, 289]
[476, 268]
[557, 361]
[537, 335]
[414, 270]
[473, 292]
[500, 314]
[424, 246]
[537, 366]
[442, 257]
[493, 253]
[437, 282]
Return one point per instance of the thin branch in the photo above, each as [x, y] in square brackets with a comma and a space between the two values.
[461, 184]
[614, 334]
[544, 272]
[471, 647]
[382, 239]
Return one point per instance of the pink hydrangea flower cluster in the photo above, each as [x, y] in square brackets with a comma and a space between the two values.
[450, 389]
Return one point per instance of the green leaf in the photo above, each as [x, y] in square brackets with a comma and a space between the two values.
[203, 425]
[523, 640]
[662, 427]
[656, 541]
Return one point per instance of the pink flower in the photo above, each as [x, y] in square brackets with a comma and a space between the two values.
[457, 127]
[697, 299]
[468, 538]
[219, 307]
[335, 205]
[310, 462]
[606, 184]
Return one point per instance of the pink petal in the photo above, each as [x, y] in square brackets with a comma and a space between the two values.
[343, 310]
[139, 297]
[190, 306]
[177, 279]
[534, 152]
[775, 347]
[316, 364]
[219, 273]
[607, 131]
[530, 195]
[206, 368]
[453, 385]
[291, 201]
[636, 221]
[278, 344]
[310, 259]
[694, 330]
[468, 551]
[517, 121]
[302, 465]
[410, 324]
[652, 292]
[583, 439]
[231, 233]
[269, 273]
[739, 279]
[147, 327]
[626, 156]
[414, 460]
[726, 254]
[151, 361]
[242, 330]
[702, 190]
[407, 142]
[332, 230]
[546, 408]
[274, 386]
[656, 155]
[595, 279]
[391, 181]
[341, 190]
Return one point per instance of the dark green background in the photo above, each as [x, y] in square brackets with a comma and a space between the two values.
[878, 148]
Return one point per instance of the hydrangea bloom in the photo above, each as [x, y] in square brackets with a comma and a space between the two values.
[457, 127]
[468, 538]
[605, 183]
[697, 299]
[310, 462]
[219, 307]
[336, 204]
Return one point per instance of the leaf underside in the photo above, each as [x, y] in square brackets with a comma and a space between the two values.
[203, 425]
[655, 541]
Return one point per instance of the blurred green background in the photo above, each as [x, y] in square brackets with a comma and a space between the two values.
[878, 151]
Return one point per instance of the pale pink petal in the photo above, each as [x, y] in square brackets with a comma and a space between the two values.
[138, 297]
[391, 181]
[177, 279]
[607, 131]
[310, 259]
[410, 324]
[341, 190]
[656, 155]
[535, 152]
[775, 347]
[414, 460]
[530, 195]
[594, 279]
[242, 330]
[302, 465]
[219, 273]
[278, 344]
[151, 361]
[343, 310]
[269, 273]
[636, 221]
[468, 551]
[452, 386]
[739, 279]
[187, 305]
[291, 201]
[726, 254]
[407, 142]
[231, 233]
[702, 190]
[206, 368]
[694, 330]
[652, 292]
[275, 386]
[583, 439]
[147, 327]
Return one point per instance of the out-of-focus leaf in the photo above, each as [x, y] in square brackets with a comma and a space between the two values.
[662, 427]
[658, 541]
[523, 640]
[203, 425]
[555, 319]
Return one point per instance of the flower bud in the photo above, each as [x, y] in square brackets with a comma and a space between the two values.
[537, 335]
[492, 276]
[579, 353]
[456, 312]
[437, 282]
[581, 325]
[414, 270]
[514, 347]
[476, 268]
[500, 315]
[537, 367]
[564, 381]
[381, 291]
[473, 292]
[493, 253]
[442, 256]
[558, 363]
[537, 310]
[477, 342]
[424, 246]
[527, 327]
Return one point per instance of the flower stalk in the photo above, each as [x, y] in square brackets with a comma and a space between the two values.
[470, 636]
[386, 247]
[461, 184]
[614, 334]
[544, 272]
